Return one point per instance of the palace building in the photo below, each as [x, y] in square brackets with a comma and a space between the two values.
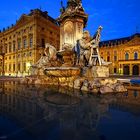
[22, 44]
[124, 53]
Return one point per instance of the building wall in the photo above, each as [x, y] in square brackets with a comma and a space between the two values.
[124, 55]
[24, 43]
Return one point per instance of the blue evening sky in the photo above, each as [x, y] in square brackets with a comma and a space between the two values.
[120, 18]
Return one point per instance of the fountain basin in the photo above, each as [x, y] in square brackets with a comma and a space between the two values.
[62, 71]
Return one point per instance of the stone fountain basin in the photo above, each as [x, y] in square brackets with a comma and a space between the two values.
[62, 71]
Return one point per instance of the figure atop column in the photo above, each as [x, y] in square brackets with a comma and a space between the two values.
[72, 21]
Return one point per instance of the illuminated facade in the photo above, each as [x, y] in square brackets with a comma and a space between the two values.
[72, 21]
[23, 43]
[124, 54]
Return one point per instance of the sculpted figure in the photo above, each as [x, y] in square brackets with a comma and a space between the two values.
[87, 52]
[94, 48]
[48, 56]
[82, 49]
[66, 46]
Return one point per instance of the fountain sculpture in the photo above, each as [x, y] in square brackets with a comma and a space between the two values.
[78, 63]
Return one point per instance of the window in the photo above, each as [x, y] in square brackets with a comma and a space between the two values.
[31, 42]
[9, 67]
[135, 55]
[126, 56]
[18, 55]
[115, 55]
[108, 58]
[13, 67]
[115, 70]
[30, 54]
[115, 58]
[31, 28]
[24, 43]
[19, 44]
[24, 66]
[14, 46]
[18, 66]
[43, 43]
[24, 55]
[10, 47]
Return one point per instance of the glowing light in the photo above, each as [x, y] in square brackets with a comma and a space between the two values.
[28, 64]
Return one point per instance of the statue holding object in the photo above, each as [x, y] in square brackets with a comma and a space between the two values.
[86, 49]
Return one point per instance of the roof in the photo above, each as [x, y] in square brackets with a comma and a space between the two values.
[43, 14]
[118, 41]
[33, 12]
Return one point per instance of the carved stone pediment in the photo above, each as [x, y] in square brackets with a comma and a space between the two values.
[23, 19]
[134, 41]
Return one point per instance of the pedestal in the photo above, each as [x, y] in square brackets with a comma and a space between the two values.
[96, 71]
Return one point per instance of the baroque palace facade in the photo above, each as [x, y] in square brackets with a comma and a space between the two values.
[23, 43]
[124, 53]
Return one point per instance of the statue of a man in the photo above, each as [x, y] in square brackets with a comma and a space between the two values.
[82, 49]
[85, 48]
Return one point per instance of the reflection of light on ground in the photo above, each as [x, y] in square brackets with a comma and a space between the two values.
[44, 110]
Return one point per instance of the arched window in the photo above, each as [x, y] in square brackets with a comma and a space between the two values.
[126, 56]
[135, 55]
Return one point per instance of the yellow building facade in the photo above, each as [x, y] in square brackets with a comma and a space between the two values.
[124, 54]
[22, 44]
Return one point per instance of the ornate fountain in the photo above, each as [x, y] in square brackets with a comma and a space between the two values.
[78, 63]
